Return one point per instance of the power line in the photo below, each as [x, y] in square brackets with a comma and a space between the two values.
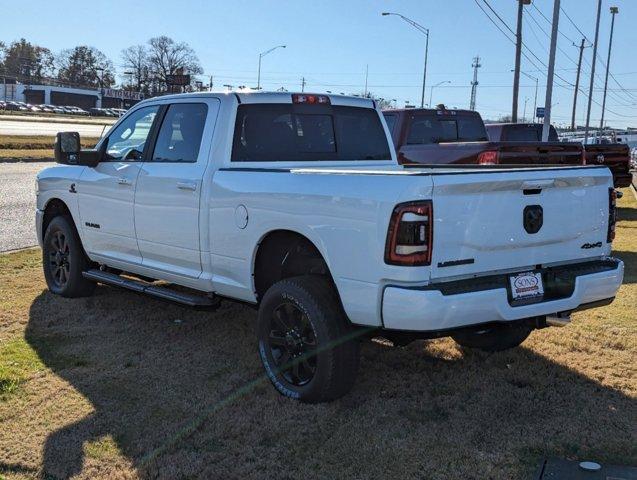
[574, 24]
[538, 59]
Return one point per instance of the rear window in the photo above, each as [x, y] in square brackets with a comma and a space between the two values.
[288, 132]
[429, 129]
[390, 120]
[528, 133]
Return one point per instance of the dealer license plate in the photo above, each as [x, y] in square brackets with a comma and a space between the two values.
[527, 284]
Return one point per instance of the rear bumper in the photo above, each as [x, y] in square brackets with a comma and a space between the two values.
[446, 306]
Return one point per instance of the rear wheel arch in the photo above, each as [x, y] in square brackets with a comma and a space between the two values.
[282, 254]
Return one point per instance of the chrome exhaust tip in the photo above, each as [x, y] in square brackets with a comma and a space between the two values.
[558, 319]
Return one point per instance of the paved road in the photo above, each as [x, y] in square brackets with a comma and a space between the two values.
[21, 127]
[17, 204]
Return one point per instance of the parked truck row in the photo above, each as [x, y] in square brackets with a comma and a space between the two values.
[333, 221]
[446, 137]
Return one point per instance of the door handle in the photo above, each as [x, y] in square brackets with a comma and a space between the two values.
[124, 181]
[187, 186]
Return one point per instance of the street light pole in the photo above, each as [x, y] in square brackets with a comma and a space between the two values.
[613, 11]
[261, 55]
[536, 85]
[424, 31]
[431, 90]
[594, 60]
[551, 72]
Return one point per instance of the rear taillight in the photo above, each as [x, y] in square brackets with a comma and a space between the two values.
[410, 234]
[490, 157]
[612, 214]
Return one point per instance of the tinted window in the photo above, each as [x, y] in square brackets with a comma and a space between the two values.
[448, 131]
[523, 133]
[286, 132]
[423, 130]
[129, 137]
[427, 129]
[471, 129]
[180, 134]
[391, 122]
[528, 133]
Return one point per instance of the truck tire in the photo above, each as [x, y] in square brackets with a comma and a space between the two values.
[64, 260]
[307, 347]
[494, 339]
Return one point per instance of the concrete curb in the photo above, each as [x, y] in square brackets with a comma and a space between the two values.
[16, 250]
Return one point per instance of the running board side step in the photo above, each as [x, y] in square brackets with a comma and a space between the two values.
[150, 289]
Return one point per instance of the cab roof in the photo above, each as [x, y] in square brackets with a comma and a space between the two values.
[272, 97]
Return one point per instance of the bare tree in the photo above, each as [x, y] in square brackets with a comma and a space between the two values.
[167, 57]
[136, 60]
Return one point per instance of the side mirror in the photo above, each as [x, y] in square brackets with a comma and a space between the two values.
[67, 148]
[68, 151]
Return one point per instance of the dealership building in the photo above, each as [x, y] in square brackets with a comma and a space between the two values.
[79, 97]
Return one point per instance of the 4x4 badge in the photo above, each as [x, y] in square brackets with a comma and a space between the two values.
[586, 246]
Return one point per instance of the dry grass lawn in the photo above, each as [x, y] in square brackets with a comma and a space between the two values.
[122, 386]
[33, 146]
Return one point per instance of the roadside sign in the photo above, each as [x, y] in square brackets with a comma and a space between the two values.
[178, 79]
[539, 112]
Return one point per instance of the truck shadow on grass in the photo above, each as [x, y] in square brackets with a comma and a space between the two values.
[181, 393]
[630, 264]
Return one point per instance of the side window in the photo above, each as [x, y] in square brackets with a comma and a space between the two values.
[128, 140]
[180, 134]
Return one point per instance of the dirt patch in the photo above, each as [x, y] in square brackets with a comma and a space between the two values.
[122, 386]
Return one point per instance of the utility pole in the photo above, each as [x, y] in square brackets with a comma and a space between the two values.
[518, 54]
[474, 84]
[549, 84]
[613, 11]
[302, 84]
[579, 68]
[366, 75]
[210, 84]
[590, 90]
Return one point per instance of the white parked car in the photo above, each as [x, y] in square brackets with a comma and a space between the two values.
[295, 203]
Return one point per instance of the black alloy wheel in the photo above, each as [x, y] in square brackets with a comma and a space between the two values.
[292, 344]
[59, 259]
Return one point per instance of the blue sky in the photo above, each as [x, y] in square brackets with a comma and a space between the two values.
[331, 42]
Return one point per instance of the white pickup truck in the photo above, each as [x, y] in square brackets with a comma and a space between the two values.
[295, 203]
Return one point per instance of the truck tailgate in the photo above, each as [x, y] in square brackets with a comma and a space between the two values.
[538, 153]
[480, 226]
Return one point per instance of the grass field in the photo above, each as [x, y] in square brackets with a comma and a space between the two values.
[121, 386]
[33, 147]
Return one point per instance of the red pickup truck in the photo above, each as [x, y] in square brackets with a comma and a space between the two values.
[616, 156]
[442, 136]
